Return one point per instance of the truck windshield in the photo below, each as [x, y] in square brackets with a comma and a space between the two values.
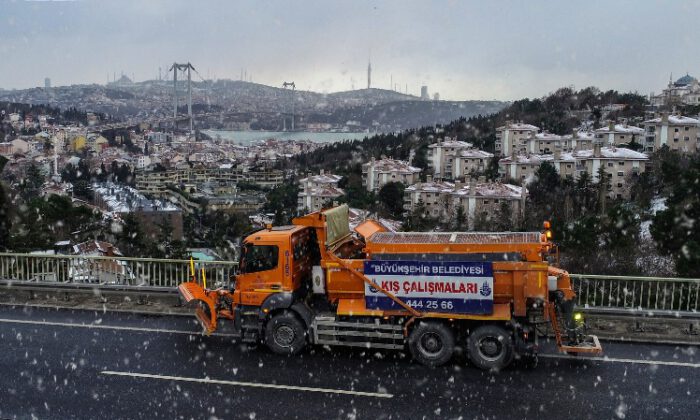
[258, 258]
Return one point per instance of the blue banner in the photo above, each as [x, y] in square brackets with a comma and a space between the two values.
[431, 286]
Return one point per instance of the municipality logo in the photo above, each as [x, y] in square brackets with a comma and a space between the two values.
[485, 289]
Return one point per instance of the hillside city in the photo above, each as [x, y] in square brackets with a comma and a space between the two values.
[583, 159]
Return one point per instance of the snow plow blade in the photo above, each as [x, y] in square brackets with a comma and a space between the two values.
[206, 308]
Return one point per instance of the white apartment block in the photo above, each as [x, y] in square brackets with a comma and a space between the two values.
[477, 199]
[317, 190]
[522, 168]
[513, 136]
[377, 173]
[441, 156]
[675, 131]
[620, 165]
[470, 162]
[619, 134]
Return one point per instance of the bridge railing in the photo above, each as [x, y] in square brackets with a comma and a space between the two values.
[647, 294]
[622, 293]
[98, 270]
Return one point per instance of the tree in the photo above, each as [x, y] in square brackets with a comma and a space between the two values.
[32, 182]
[5, 223]
[131, 239]
[460, 219]
[491, 171]
[391, 198]
[676, 229]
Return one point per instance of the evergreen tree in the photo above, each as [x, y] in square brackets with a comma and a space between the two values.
[391, 198]
[676, 229]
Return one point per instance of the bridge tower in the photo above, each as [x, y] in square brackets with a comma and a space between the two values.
[287, 85]
[183, 67]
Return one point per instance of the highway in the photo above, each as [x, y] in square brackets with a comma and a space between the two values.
[61, 364]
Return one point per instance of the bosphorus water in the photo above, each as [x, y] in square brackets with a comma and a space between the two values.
[250, 137]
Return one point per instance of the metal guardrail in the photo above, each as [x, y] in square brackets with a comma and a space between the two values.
[619, 294]
[654, 295]
[99, 270]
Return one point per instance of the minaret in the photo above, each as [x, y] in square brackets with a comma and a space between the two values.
[369, 75]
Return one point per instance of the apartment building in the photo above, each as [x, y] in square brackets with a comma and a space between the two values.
[677, 132]
[522, 167]
[442, 200]
[156, 183]
[619, 134]
[317, 191]
[620, 166]
[377, 173]
[513, 136]
[441, 156]
[470, 162]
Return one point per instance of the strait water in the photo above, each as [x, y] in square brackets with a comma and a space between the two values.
[250, 137]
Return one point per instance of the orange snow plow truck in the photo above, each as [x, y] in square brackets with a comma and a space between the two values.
[317, 282]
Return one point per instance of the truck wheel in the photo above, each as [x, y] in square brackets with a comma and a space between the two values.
[285, 334]
[490, 347]
[431, 343]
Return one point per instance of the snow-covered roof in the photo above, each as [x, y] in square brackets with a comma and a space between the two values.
[605, 153]
[621, 128]
[122, 199]
[532, 159]
[490, 189]
[392, 165]
[322, 179]
[547, 136]
[674, 119]
[432, 186]
[328, 191]
[475, 154]
[452, 143]
[518, 126]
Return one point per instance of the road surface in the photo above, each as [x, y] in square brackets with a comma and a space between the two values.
[83, 364]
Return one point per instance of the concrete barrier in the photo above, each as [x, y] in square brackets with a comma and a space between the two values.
[614, 325]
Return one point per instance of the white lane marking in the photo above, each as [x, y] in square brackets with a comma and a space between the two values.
[616, 360]
[249, 384]
[106, 327]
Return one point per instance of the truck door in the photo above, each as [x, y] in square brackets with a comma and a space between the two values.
[260, 271]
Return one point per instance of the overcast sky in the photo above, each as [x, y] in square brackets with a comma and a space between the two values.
[461, 49]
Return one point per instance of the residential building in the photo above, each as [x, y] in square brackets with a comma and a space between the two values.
[377, 173]
[317, 191]
[675, 131]
[120, 199]
[620, 166]
[513, 135]
[441, 156]
[619, 134]
[521, 168]
[470, 162]
[442, 200]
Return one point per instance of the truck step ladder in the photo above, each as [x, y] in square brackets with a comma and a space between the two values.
[327, 330]
[589, 345]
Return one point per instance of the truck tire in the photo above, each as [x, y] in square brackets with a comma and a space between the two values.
[431, 343]
[285, 333]
[490, 347]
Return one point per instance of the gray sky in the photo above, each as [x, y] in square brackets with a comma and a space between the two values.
[461, 49]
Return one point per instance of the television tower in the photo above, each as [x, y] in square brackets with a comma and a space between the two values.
[369, 74]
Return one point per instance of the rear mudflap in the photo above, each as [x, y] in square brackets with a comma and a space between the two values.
[206, 308]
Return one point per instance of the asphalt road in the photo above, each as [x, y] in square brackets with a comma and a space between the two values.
[79, 364]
